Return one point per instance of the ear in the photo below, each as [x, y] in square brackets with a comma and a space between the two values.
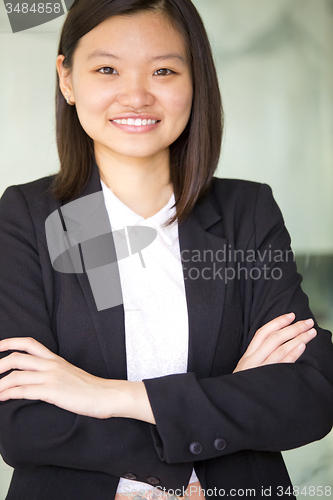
[65, 80]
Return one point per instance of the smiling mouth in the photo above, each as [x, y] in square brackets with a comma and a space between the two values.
[138, 122]
[136, 125]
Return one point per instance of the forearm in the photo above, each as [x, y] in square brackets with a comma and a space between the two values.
[130, 400]
[47, 435]
[272, 408]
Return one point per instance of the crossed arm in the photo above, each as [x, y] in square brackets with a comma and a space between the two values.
[43, 375]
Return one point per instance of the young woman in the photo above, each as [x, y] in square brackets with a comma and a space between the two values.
[186, 369]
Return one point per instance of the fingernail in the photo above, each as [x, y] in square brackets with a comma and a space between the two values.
[312, 331]
[290, 315]
[309, 321]
[301, 346]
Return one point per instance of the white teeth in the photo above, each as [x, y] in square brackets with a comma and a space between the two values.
[137, 122]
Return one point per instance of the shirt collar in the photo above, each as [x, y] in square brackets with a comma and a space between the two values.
[121, 215]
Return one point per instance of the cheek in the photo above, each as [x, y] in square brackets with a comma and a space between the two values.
[94, 103]
[91, 99]
[91, 106]
[180, 100]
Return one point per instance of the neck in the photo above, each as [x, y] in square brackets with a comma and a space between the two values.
[143, 184]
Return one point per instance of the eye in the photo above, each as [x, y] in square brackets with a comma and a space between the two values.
[106, 72]
[164, 69]
[109, 71]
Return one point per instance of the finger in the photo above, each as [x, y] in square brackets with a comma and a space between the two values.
[19, 378]
[23, 362]
[294, 354]
[277, 338]
[28, 344]
[25, 392]
[288, 333]
[267, 329]
[289, 349]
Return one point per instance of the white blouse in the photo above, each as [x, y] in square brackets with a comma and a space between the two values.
[156, 319]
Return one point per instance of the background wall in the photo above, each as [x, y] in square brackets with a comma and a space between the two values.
[275, 65]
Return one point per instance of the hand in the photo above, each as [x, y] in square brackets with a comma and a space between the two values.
[276, 342]
[45, 376]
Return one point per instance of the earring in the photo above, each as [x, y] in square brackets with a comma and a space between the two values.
[67, 100]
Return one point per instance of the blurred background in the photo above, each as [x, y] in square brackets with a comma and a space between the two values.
[275, 66]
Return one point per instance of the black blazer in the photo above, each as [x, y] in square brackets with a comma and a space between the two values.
[230, 427]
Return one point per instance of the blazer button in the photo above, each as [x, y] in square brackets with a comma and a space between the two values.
[153, 480]
[195, 448]
[129, 475]
[220, 443]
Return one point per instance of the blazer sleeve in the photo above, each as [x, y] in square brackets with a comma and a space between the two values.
[274, 407]
[34, 433]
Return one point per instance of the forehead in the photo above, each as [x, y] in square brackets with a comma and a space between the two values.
[143, 35]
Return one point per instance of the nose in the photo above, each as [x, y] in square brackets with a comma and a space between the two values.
[135, 93]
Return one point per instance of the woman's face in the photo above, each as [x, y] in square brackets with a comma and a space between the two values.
[140, 77]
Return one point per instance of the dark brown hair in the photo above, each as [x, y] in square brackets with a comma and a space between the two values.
[194, 155]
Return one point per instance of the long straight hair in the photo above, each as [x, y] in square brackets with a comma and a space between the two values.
[195, 154]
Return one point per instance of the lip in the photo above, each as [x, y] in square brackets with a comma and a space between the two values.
[133, 128]
[143, 116]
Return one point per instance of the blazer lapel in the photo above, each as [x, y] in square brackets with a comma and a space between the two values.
[109, 323]
[205, 290]
[203, 287]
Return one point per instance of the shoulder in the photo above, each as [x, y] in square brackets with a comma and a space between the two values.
[34, 191]
[240, 190]
[37, 192]
[246, 207]
[240, 196]
[27, 203]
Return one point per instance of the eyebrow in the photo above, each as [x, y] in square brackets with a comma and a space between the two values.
[102, 53]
